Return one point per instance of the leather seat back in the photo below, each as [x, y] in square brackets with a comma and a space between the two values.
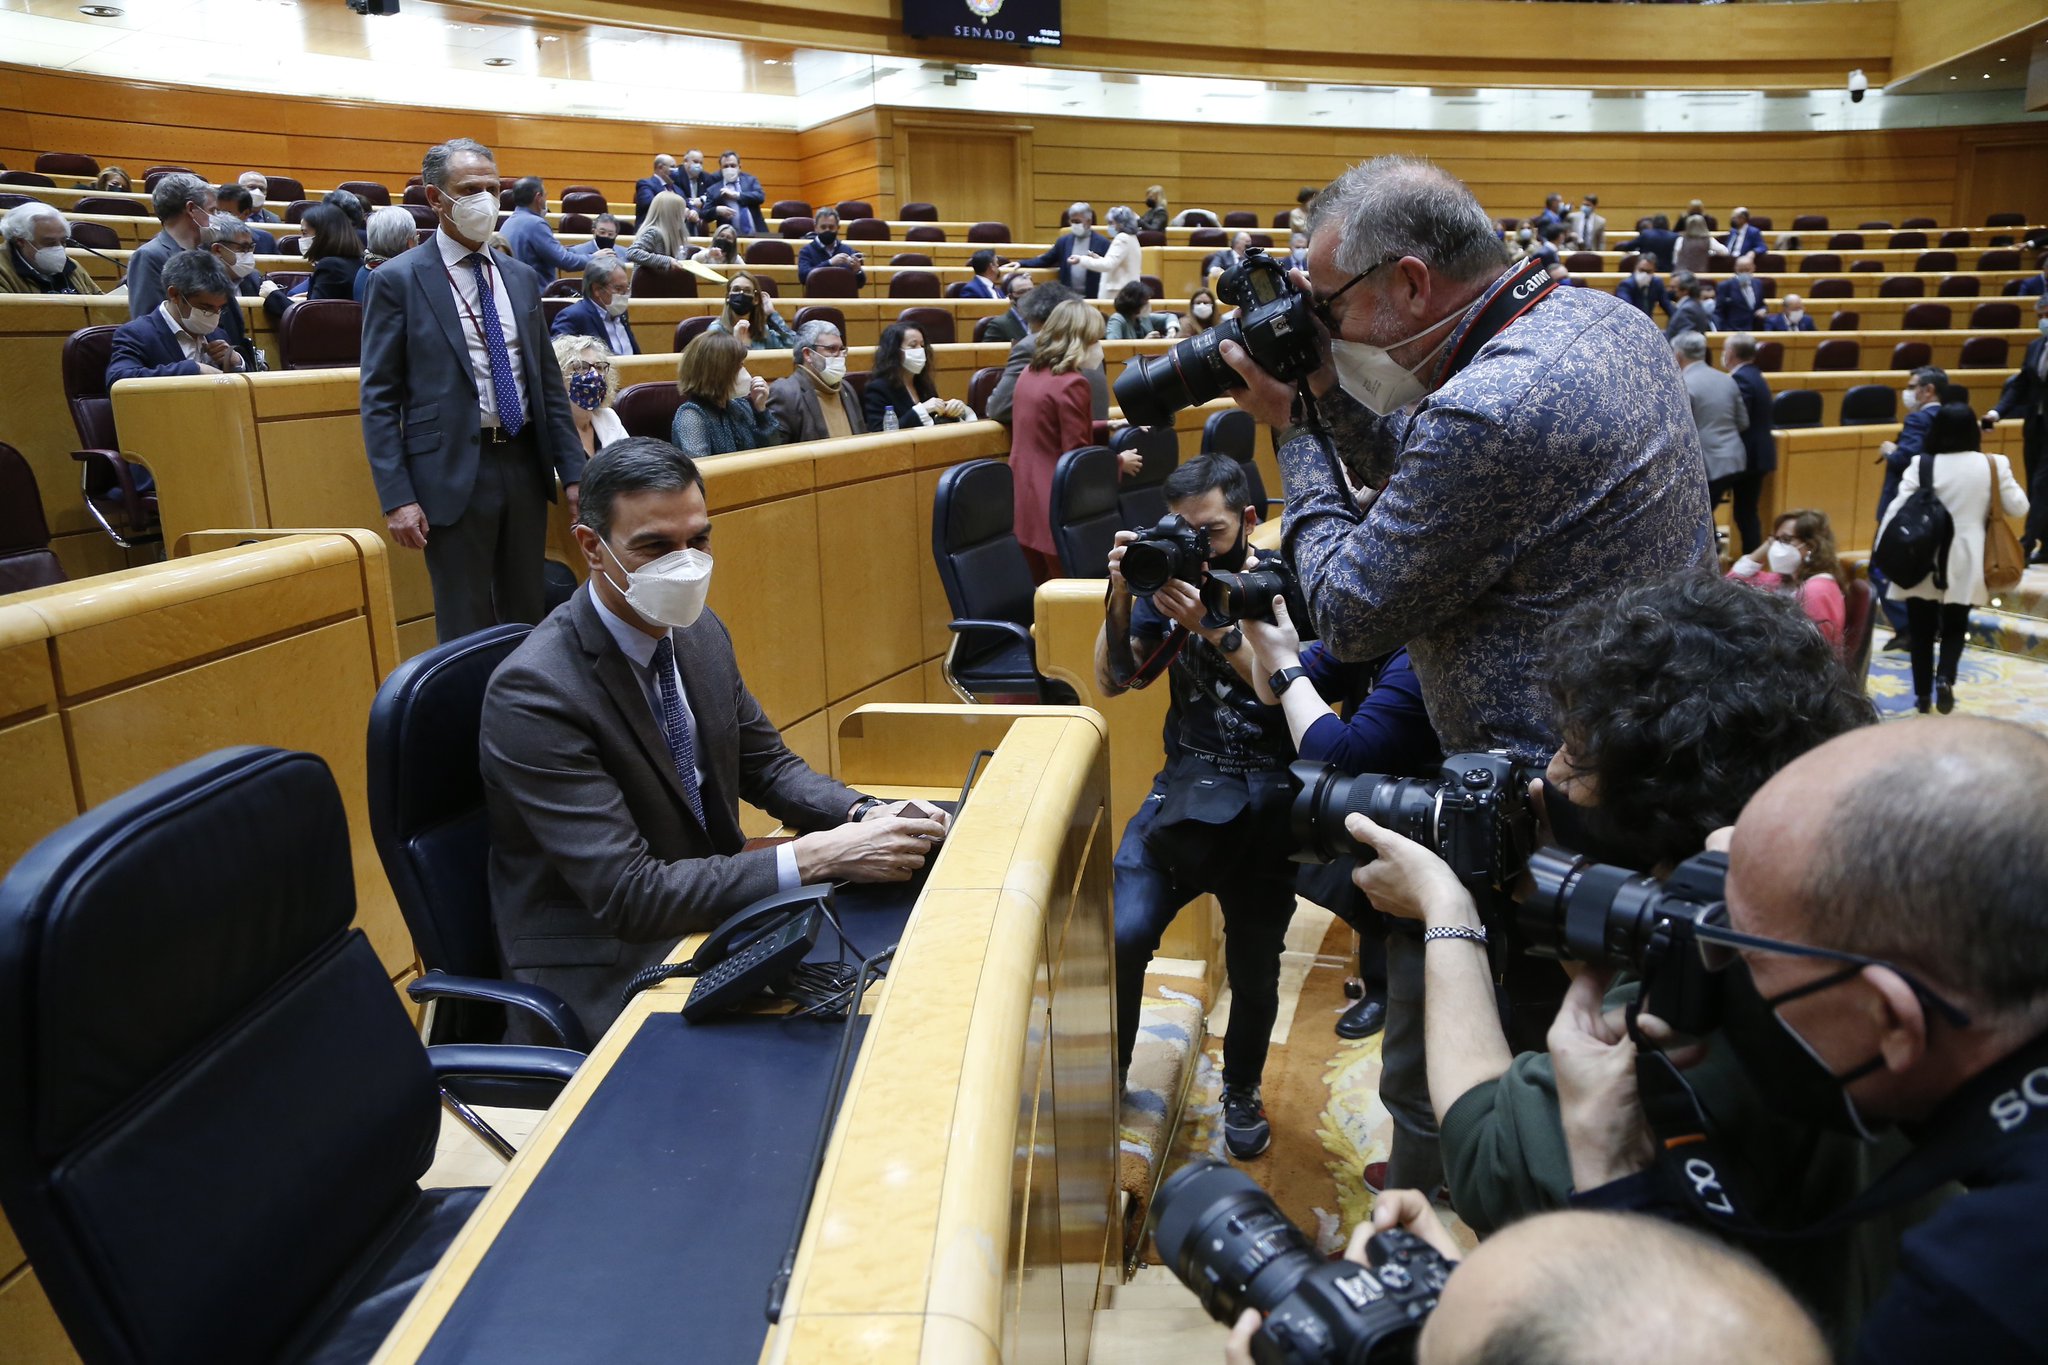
[1085, 516]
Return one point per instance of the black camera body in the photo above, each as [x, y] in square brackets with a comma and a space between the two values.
[1597, 913]
[1168, 550]
[1275, 323]
[1228, 1242]
[1474, 814]
[1248, 595]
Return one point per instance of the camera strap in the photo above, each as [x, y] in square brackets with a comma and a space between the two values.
[1152, 665]
[2008, 1102]
[1522, 290]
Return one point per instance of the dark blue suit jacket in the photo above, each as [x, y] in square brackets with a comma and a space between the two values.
[1649, 300]
[1743, 241]
[584, 318]
[1072, 276]
[746, 203]
[643, 195]
[1757, 438]
[1659, 244]
[979, 288]
[1728, 307]
[1777, 322]
[144, 348]
[814, 253]
[2032, 286]
[702, 187]
[1912, 440]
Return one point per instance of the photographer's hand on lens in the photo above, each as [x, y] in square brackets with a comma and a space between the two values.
[1408, 880]
[887, 849]
[1602, 1113]
[1411, 1211]
[1276, 644]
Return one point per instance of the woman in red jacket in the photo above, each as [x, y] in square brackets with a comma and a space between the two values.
[1051, 414]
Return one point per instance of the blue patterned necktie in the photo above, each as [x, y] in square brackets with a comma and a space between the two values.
[504, 388]
[682, 746]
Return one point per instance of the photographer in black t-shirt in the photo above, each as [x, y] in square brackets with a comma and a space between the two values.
[1216, 818]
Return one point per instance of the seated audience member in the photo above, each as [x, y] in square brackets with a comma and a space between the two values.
[1792, 317]
[1887, 963]
[34, 260]
[1739, 299]
[1122, 263]
[1719, 411]
[1052, 412]
[182, 335]
[1297, 217]
[1678, 700]
[1228, 259]
[1643, 289]
[2036, 284]
[182, 203]
[1800, 557]
[1080, 239]
[351, 207]
[823, 247]
[533, 239]
[601, 312]
[900, 384]
[1202, 313]
[329, 243]
[724, 409]
[1696, 247]
[1195, 218]
[663, 239]
[814, 402]
[750, 315]
[1742, 239]
[232, 243]
[1132, 318]
[1687, 311]
[238, 201]
[1297, 253]
[1558, 271]
[984, 281]
[736, 197]
[592, 384]
[1972, 485]
[618, 741]
[258, 186]
[663, 181]
[1153, 219]
[1584, 1288]
[724, 248]
[1034, 309]
[114, 180]
[1009, 326]
[390, 235]
[604, 233]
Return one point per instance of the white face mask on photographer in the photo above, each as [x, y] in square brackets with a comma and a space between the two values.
[668, 591]
[1372, 376]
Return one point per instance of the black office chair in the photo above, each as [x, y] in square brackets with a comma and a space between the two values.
[214, 1112]
[1085, 514]
[1141, 499]
[433, 836]
[1795, 408]
[1869, 404]
[1235, 433]
[988, 587]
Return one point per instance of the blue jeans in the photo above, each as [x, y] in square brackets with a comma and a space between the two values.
[1257, 900]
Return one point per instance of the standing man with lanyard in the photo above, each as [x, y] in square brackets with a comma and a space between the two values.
[465, 419]
[1537, 451]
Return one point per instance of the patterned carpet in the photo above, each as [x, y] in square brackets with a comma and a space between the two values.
[2004, 670]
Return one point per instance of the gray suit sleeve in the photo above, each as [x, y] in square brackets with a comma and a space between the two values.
[382, 385]
[1006, 388]
[145, 281]
[538, 750]
[786, 408]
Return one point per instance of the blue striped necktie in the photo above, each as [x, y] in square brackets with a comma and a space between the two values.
[682, 745]
[504, 388]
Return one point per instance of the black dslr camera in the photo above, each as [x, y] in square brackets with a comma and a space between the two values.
[1226, 1240]
[1275, 324]
[1594, 912]
[1474, 815]
[1248, 596]
[1172, 549]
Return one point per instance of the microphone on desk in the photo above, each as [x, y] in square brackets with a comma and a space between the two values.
[120, 268]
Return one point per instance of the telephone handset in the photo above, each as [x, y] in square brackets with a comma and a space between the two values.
[756, 949]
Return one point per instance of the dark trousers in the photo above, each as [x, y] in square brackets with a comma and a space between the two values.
[2036, 448]
[1415, 1161]
[1745, 489]
[1257, 900]
[486, 564]
[1894, 610]
[1926, 618]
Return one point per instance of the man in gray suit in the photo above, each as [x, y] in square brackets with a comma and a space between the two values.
[1718, 410]
[814, 402]
[1034, 308]
[617, 743]
[184, 204]
[465, 419]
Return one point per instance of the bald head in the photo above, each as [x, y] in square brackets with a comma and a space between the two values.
[1579, 1288]
[1923, 843]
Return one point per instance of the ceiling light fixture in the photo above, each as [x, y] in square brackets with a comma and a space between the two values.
[101, 11]
[497, 61]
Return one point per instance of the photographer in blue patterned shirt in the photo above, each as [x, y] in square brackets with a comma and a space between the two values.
[1536, 449]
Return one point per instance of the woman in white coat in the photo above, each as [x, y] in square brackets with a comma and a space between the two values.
[1122, 263]
[1967, 482]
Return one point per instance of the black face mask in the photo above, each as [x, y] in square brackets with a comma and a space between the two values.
[1232, 560]
[1787, 1073]
[828, 236]
[1590, 830]
[740, 303]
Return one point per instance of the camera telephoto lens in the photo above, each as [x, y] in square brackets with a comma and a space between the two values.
[1154, 387]
[1227, 1240]
[1405, 805]
[1244, 596]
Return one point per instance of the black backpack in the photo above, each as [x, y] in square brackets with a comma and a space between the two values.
[1916, 540]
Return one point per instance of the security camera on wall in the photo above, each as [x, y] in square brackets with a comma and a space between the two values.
[1858, 83]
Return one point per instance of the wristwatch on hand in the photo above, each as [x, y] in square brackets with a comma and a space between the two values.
[862, 807]
[1285, 678]
[1232, 641]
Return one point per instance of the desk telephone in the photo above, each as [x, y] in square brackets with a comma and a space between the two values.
[756, 949]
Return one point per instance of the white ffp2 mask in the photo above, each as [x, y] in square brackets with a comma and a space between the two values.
[668, 591]
[1371, 375]
[1785, 559]
[474, 215]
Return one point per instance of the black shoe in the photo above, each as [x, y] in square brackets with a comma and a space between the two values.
[1922, 706]
[1944, 697]
[1901, 641]
[1245, 1131]
[1363, 1019]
